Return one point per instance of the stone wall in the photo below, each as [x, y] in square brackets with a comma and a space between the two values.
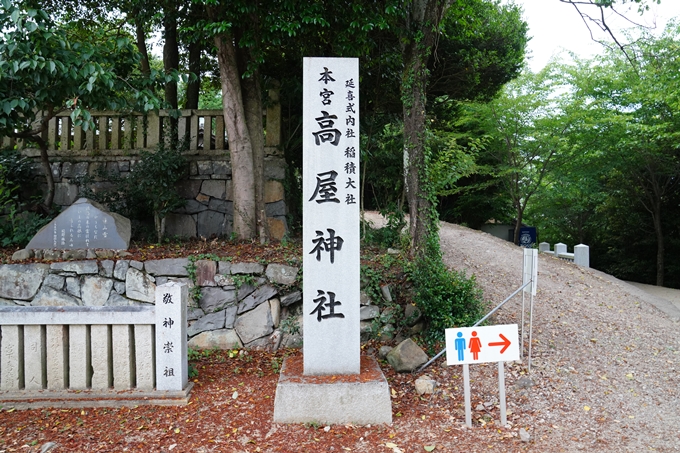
[207, 190]
[241, 304]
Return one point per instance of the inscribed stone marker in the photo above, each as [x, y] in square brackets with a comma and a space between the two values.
[84, 225]
[172, 368]
[331, 216]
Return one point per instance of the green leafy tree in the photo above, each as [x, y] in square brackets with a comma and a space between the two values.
[45, 71]
[248, 34]
[634, 109]
[526, 129]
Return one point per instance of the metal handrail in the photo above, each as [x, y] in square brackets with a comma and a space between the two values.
[507, 299]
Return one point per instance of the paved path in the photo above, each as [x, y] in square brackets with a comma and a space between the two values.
[669, 295]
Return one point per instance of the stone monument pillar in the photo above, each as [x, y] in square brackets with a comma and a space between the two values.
[311, 391]
[330, 172]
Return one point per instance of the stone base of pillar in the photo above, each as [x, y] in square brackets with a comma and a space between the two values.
[359, 399]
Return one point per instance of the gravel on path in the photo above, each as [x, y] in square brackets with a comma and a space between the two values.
[605, 373]
[606, 359]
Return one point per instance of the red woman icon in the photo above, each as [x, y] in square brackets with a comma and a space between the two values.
[475, 345]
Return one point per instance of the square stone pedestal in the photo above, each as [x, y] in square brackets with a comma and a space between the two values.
[359, 399]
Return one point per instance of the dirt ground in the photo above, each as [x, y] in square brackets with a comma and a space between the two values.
[604, 378]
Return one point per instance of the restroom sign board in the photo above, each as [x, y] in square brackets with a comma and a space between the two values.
[482, 344]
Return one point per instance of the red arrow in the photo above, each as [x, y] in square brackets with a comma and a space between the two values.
[505, 343]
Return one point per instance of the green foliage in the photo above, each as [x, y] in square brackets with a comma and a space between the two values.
[7, 189]
[382, 166]
[388, 323]
[618, 190]
[17, 229]
[17, 226]
[276, 364]
[481, 48]
[290, 325]
[526, 128]
[370, 283]
[390, 234]
[149, 188]
[243, 279]
[445, 297]
[47, 69]
[15, 170]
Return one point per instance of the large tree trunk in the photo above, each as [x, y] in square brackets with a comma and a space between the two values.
[422, 21]
[252, 104]
[240, 146]
[420, 208]
[193, 87]
[170, 51]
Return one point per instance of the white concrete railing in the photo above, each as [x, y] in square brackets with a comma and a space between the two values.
[97, 348]
[580, 257]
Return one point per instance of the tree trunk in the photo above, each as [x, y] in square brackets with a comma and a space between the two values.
[193, 87]
[414, 148]
[252, 104]
[170, 51]
[422, 21]
[47, 169]
[240, 146]
[159, 223]
[141, 47]
[518, 225]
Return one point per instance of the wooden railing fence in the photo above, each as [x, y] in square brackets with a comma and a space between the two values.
[114, 131]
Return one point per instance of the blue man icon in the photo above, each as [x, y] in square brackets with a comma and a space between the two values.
[460, 346]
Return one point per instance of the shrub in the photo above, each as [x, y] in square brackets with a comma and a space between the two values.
[17, 228]
[445, 297]
[150, 188]
[390, 234]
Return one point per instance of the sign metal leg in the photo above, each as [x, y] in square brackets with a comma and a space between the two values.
[521, 345]
[501, 391]
[466, 387]
[531, 327]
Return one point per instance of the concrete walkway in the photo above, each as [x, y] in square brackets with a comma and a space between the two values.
[666, 295]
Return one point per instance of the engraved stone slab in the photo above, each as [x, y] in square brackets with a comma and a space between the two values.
[330, 231]
[102, 370]
[11, 352]
[84, 225]
[145, 356]
[34, 358]
[57, 357]
[172, 367]
[123, 359]
[79, 357]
